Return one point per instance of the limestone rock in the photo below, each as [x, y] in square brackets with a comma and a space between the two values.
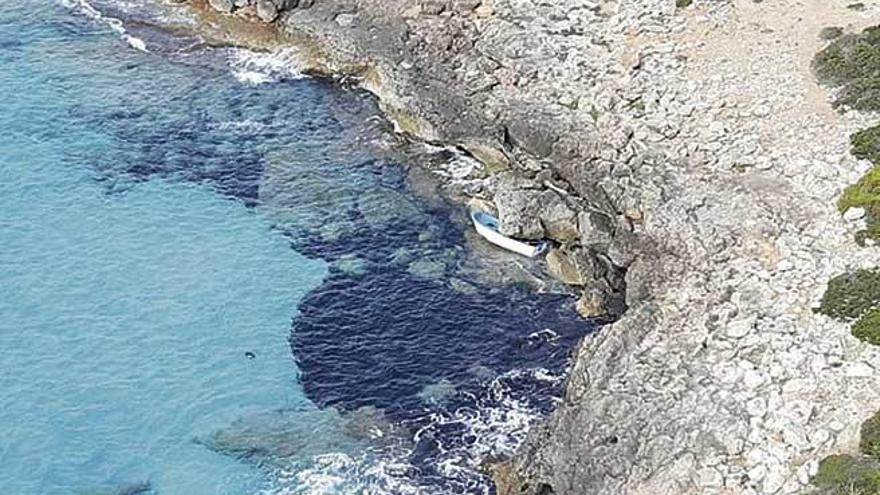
[560, 222]
[519, 210]
[267, 11]
[596, 229]
[853, 214]
[224, 6]
[592, 303]
[563, 267]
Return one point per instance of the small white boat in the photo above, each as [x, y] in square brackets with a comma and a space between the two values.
[488, 227]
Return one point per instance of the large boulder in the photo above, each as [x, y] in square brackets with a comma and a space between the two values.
[528, 212]
[577, 266]
[518, 211]
[560, 222]
[267, 10]
[564, 267]
[596, 229]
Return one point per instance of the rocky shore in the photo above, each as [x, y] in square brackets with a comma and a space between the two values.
[687, 165]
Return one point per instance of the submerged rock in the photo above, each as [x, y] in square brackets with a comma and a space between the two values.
[351, 265]
[131, 488]
[427, 268]
[278, 438]
[437, 392]
[370, 424]
[275, 437]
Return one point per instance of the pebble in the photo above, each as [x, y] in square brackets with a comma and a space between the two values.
[859, 370]
[854, 214]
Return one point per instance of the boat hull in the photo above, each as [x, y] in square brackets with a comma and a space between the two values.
[500, 240]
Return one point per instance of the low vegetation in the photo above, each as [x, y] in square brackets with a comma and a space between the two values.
[866, 192]
[851, 295]
[848, 475]
[853, 474]
[867, 328]
[870, 441]
[866, 144]
[850, 63]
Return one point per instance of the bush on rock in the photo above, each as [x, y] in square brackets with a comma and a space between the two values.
[870, 442]
[851, 62]
[867, 328]
[851, 295]
[848, 475]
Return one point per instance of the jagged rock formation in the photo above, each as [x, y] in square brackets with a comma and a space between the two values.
[687, 152]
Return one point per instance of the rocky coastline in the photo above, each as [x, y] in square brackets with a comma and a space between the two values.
[686, 163]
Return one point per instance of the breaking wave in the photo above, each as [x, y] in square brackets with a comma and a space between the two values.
[255, 68]
[492, 422]
[87, 9]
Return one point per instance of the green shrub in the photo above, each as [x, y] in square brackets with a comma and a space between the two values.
[853, 62]
[851, 295]
[848, 475]
[865, 194]
[867, 329]
[870, 442]
[866, 144]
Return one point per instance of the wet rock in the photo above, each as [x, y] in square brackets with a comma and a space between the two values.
[463, 286]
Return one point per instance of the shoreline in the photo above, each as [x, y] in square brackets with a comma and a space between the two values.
[712, 200]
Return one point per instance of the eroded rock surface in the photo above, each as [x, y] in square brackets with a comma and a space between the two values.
[687, 152]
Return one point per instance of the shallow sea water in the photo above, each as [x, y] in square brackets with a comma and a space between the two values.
[216, 280]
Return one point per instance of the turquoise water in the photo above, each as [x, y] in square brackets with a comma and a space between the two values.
[124, 318]
[216, 277]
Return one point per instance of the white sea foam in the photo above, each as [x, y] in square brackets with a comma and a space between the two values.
[497, 420]
[87, 9]
[334, 474]
[255, 68]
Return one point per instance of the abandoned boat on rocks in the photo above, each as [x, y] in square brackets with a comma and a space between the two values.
[488, 227]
